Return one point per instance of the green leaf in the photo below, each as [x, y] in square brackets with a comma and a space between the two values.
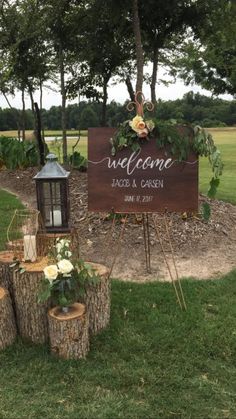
[214, 183]
[44, 294]
[206, 211]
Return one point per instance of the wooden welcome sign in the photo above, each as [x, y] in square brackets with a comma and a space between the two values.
[150, 180]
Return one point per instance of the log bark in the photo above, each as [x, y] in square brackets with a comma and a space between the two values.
[46, 241]
[6, 271]
[69, 337]
[97, 299]
[31, 316]
[7, 320]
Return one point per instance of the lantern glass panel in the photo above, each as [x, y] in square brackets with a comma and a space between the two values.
[52, 203]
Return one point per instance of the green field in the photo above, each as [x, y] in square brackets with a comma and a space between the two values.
[225, 138]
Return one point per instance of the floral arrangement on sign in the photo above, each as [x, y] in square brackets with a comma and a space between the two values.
[131, 132]
[134, 133]
[65, 278]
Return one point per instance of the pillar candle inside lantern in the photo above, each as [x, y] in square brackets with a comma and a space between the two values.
[30, 253]
[55, 220]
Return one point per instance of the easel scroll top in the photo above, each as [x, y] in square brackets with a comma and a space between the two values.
[139, 103]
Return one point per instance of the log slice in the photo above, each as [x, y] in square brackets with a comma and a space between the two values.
[69, 337]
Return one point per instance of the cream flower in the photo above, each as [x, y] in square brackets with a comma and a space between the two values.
[51, 272]
[137, 123]
[68, 253]
[65, 266]
[58, 247]
[143, 133]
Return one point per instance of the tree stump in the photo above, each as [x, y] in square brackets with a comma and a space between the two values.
[68, 332]
[97, 299]
[31, 316]
[6, 271]
[7, 320]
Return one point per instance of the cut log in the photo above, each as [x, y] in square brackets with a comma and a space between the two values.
[46, 242]
[31, 316]
[69, 337]
[7, 320]
[6, 271]
[97, 299]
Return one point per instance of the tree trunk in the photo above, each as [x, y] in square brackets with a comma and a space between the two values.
[41, 108]
[7, 320]
[23, 114]
[68, 332]
[31, 316]
[104, 103]
[33, 110]
[130, 88]
[154, 75]
[40, 142]
[97, 299]
[63, 104]
[138, 46]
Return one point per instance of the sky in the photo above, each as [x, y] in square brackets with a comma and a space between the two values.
[118, 93]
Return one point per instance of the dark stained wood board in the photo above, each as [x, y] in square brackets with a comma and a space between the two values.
[133, 186]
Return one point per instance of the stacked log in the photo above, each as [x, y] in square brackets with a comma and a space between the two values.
[69, 337]
[31, 316]
[97, 299]
[7, 259]
[7, 320]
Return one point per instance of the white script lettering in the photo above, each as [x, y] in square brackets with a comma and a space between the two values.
[131, 163]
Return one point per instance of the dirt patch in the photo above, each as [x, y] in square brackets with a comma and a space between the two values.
[202, 249]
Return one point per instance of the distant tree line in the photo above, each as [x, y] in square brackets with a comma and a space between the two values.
[192, 108]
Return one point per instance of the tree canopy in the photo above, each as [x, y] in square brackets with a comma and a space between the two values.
[85, 45]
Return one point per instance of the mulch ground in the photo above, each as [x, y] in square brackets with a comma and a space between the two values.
[201, 249]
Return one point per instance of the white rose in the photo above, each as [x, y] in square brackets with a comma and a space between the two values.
[58, 247]
[65, 266]
[68, 253]
[51, 272]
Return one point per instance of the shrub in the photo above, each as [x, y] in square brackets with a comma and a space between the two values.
[15, 154]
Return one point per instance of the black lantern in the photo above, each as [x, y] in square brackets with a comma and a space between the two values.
[52, 189]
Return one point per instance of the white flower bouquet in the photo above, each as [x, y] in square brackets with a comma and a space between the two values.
[64, 280]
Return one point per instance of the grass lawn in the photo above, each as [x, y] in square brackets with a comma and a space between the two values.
[153, 362]
[8, 204]
[48, 133]
[225, 138]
